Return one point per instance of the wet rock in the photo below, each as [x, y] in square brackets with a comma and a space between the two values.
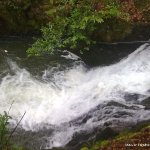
[131, 96]
[146, 103]
[31, 140]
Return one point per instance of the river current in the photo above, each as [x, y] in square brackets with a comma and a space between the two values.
[68, 98]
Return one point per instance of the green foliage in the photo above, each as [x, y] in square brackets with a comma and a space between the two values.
[100, 144]
[73, 25]
[95, 145]
[19, 5]
[5, 135]
[84, 148]
[4, 121]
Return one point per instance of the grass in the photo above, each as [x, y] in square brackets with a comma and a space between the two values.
[6, 134]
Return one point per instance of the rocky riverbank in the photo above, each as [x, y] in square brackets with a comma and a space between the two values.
[137, 138]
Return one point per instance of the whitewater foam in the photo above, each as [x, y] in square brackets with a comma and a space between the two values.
[67, 95]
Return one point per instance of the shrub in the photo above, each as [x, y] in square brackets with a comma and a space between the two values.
[73, 24]
[4, 121]
[5, 134]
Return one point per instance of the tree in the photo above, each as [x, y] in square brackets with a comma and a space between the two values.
[73, 24]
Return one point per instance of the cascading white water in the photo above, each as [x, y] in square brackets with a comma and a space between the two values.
[74, 92]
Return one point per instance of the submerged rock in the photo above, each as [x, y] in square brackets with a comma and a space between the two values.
[146, 103]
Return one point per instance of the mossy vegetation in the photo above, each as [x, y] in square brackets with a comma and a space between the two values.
[139, 135]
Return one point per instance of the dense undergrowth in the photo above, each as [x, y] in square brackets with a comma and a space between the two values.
[80, 24]
[22, 17]
[74, 23]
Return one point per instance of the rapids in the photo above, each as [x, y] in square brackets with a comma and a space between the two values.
[76, 98]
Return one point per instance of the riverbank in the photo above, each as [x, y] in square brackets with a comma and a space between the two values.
[137, 138]
[27, 18]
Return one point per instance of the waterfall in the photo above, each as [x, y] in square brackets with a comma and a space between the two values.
[62, 99]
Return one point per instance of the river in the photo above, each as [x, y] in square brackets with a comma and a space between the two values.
[67, 98]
